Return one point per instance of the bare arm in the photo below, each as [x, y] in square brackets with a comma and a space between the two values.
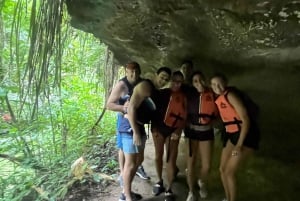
[242, 112]
[140, 92]
[112, 102]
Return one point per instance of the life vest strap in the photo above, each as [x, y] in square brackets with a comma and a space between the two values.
[168, 150]
[236, 122]
[206, 115]
[232, 122]
[177, 118]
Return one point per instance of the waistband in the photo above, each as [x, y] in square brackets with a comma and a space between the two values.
[140, 123]
[200, 127]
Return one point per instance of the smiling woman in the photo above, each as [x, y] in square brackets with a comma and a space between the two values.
[242, 133]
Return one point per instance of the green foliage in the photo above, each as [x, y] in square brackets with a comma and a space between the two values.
[55, 109]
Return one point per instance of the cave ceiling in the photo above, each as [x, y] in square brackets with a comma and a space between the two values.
[246, 34]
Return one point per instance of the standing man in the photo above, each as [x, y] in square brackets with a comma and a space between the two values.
[140, 111]
[118, 101]
[186, 69]
[166, 130]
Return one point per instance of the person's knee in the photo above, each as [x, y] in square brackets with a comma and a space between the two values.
[230, 172]
[173, 157]
[171, 163]
[222, 170]
[205, 168]
[129, 166]
[158, 155]
[227, 172]
[192, 160]
[121, 153]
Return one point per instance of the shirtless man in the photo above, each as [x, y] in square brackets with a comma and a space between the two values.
[140, 110]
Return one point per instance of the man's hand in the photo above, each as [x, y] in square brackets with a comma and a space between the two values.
[175, 136]
[137, 139]
[125, 107]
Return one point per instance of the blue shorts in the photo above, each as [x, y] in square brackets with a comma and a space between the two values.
[119, 139]
[127, 143]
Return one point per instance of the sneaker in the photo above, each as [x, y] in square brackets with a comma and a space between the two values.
[122, 197]
[141, 173]
[203, 190]
[169, 196]
[158, 188]
[134, 196]
[191, 197]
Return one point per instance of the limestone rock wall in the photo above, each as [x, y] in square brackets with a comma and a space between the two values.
[243, 33]
[256, 43]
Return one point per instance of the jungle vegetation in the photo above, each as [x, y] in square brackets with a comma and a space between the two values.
[54, 80]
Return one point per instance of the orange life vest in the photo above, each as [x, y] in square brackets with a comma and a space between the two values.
[176, 111]
[207, 107]
[230, 118]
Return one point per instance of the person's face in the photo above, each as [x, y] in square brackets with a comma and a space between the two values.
[132, 74]
[218, 85]
[198, 82]
[176, 83]
[186, 70]
[162, 79]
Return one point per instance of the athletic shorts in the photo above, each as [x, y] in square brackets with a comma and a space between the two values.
[252, 138]
[162, 129]
[199, 135]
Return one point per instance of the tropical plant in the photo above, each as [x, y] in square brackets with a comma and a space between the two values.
[53, 84]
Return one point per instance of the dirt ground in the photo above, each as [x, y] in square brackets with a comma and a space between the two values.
[261, 178]
[112, 192]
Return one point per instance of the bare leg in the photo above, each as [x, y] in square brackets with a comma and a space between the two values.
[225, 155]
[121, 158]
[231, 169]
[159, 141]
[171, 164]
[228, 168]
[205, 150]
[191, 163]
[129, 170]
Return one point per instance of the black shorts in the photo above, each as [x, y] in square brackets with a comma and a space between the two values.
[199, 135]
[252, 138]
[164, 130]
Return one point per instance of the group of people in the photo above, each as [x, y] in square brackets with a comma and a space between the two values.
[175, 103]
